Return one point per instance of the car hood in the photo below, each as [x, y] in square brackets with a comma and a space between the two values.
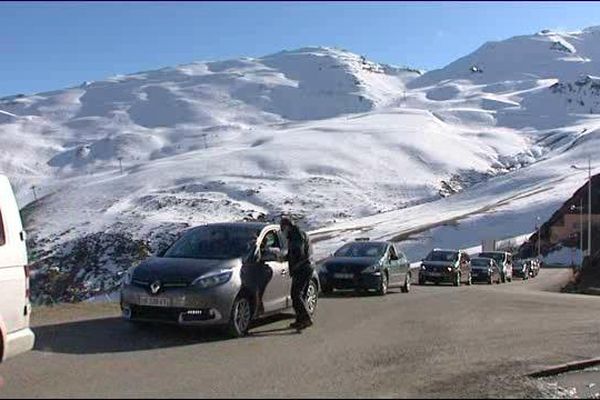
[438, 263]
[178, 270]
[351, 263]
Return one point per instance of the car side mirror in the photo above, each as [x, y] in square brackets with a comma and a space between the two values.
[271, 254]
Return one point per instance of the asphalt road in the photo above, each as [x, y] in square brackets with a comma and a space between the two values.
[437, 341]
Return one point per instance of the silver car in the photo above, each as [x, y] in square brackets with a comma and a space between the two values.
[219, 274]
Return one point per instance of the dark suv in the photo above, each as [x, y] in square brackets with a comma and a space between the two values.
[442, 265]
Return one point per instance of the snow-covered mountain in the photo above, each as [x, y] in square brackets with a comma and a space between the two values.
[348, 145]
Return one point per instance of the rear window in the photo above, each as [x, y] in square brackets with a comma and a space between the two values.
[2, 235]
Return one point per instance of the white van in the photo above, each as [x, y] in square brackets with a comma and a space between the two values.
[15, 335]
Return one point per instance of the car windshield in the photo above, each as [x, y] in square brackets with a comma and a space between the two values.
[361, 250]
[214, 242]
[498, 257]
[480, 262]
[440, 255]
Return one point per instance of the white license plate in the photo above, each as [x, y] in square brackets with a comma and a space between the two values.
[343, 276]
[155, 301]
[435, 274]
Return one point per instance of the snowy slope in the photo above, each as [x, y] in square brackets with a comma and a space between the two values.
[352, 147]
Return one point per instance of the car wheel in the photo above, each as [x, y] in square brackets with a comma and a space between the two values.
[383, 285]
[406, 286]
[503, 278]
[312, 297]
[241, 315]
[457, 279]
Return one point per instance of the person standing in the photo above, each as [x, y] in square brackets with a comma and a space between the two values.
[301, 270]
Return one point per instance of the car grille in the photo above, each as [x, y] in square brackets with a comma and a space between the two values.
[435, 268]
[171, 314]
[164, 285]
[156, 313]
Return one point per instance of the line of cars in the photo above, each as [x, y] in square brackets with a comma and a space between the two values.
[231, 274]
[456, 267]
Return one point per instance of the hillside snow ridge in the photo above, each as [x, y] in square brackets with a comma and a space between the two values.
[342, 142]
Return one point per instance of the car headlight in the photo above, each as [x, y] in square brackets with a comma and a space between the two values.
[371, 269]
[449, 269]
[213, 279]
[424, 268]
[489, 271]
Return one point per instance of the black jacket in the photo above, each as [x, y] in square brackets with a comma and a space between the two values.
[299, 250]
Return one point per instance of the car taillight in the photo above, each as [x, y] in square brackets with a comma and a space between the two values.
[27, 282]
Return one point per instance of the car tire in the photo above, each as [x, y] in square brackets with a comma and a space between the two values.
[312, 297]
[406, 286]
[383, 285]
[503, 278]
[241, 315]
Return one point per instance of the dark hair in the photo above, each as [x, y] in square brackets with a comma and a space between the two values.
[285, 220]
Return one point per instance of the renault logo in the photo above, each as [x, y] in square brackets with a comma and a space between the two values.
[155, 287]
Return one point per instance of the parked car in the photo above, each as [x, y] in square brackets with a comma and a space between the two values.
[504, 261]
[442, 265]
[15, 335]
[366, 265]
[535, 267]
[218, 274]
[485, 270]
[523, 268]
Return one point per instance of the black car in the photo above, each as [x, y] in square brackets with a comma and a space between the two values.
[442, 265]
[485, 270]
[526, 268]
[365, 265]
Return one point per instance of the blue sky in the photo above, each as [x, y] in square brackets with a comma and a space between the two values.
[46, 46]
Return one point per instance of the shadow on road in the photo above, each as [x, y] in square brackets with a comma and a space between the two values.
[114, 335]
[339, 294]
